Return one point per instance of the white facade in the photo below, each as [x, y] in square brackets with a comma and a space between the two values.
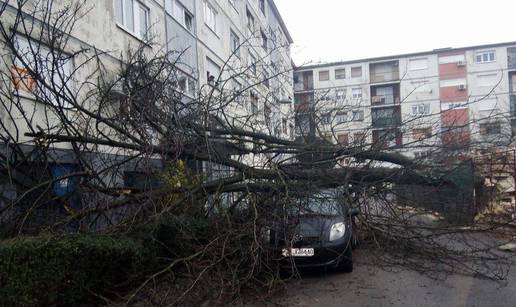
[424, 90]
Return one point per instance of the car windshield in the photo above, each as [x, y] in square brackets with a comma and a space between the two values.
[322, 202]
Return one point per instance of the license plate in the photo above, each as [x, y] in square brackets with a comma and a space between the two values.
[298, 252]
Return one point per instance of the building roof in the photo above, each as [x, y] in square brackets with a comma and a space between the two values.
[392, 57]
[280, 20]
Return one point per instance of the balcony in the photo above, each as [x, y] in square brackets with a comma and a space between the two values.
[303, 102]
[384, 72]
[386, 117]
[385, 122]
[384, 100]
[384, 95]
[384, 77]
[389, 138]
[304, 81]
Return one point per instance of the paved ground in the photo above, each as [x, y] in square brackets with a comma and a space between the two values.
[371, 286]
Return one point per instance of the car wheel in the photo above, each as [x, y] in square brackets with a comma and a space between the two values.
[346, 263]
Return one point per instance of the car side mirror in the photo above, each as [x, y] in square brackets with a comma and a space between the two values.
[354, 212]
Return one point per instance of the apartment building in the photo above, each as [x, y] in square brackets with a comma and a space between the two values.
[227, 45]
[449, 99]
[233, 45]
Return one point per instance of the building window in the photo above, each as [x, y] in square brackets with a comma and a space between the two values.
[421, 109]
[264, 39]
[324, 75]
[490, 129]
[341, 117]
[250, 20]
[210, 16]
[356, 92]
[212, 72]
[359, 138]
[340, 93]
[262, 6]
[418, 64]
[485, 56]
[180, 13]
[254, 103]
[284, 125]
[326, 119]
[186, 85]
[53, 67]
[357, 115]
[340, 73]
[356, 72]
[133, 15]
[252, 64]
[422, 154]
[420, 134]
[188, 21]
[235, 43]
[343, 139]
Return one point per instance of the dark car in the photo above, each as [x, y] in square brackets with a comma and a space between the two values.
[315, 229]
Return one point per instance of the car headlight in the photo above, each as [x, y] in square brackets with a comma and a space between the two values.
[337, 231]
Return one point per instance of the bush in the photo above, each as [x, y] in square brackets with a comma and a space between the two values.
[67, 270]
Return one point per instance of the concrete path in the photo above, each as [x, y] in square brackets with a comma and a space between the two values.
[371, 286]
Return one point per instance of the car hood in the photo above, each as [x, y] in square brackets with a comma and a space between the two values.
[307, 228]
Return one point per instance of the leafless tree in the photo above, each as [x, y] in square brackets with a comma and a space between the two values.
[214, 167]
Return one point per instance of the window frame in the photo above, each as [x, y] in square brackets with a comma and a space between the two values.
[211, 63]
[357, 96]
[137, 29]
[43, 52]
[252, 63]
[250, 20]
[339, 76]
[234, 41]
[341, 117]
[359, 118]
[484, 53]
[327, 72]
[265, 44]
[425, 107]
[486, 129]
[261, 5]
[355, 68]
[209, 8]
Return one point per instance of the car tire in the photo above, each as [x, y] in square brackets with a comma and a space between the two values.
[346, 263]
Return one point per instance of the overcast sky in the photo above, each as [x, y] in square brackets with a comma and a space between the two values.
[333, 30]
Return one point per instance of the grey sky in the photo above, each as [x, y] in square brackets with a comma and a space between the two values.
[332, 30]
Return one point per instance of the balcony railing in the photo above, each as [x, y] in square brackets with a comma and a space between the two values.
[303, 86]
[384, 122]
[384, 100]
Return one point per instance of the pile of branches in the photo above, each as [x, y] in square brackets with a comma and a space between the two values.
[129, 117]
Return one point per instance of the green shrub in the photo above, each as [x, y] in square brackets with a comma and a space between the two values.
[47, 270]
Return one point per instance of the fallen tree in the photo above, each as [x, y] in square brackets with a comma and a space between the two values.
[129, 119]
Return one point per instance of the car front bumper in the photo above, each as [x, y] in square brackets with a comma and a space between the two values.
[325, 255]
